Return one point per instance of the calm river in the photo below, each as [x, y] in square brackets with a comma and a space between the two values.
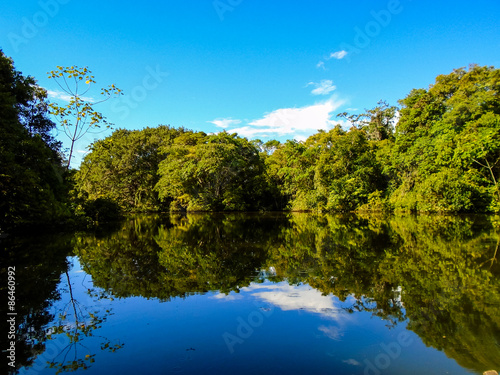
[260, 294]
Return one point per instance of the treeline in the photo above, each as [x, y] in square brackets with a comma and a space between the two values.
[439, 151]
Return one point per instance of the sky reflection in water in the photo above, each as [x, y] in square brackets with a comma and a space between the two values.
[313, 306]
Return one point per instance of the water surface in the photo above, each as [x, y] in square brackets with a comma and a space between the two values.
[262, 293]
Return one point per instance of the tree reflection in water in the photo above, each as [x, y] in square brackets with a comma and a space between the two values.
[438, 274]
[436, 271]
[77, 323]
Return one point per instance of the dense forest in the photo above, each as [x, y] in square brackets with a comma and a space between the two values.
[438, 151]
[32, 181]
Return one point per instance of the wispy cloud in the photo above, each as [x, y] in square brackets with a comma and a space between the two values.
[352, 362]
[59, 95]
[294, 122]
[324, 87]
[227, 297]
[225, 122]
[331, 332]
[321, 65]
[339, 55]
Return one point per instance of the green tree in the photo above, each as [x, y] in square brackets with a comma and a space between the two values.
[31, 176]
[290, 168]
[447, 146]
[335, 171]
[347, 171]
[78, 117]
[124, 168]
[215, 172]
[378, 122]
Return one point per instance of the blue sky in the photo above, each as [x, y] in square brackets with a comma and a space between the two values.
[265, 69]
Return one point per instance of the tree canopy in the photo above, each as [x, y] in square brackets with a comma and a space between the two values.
[124, 167]
[211, 173]
[439, 151]
[447, 149]
[31, 173]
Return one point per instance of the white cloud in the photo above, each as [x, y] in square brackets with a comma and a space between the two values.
[291, 297]
[225, 122]
[299, 297]
[227, 297]
[352, 362]
[324, 87]
[59, 95]
[331, 332]
[339, 55]
[293, 122]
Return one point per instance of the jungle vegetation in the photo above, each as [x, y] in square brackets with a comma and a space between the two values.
[437, 151]
[32, 185]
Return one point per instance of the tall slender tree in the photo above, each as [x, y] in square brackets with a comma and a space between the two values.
[78, 116]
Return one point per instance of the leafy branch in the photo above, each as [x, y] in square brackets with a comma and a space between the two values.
[78, 117]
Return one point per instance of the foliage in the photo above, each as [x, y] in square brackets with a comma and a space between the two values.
[291, 170]
[124, 168]
[447, 148]
[334, 171]
[31, 173]
[439, 152]
[78, 116]
[102, 210]
[211, 173]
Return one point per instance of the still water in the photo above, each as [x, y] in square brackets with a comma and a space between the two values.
[261, 294]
